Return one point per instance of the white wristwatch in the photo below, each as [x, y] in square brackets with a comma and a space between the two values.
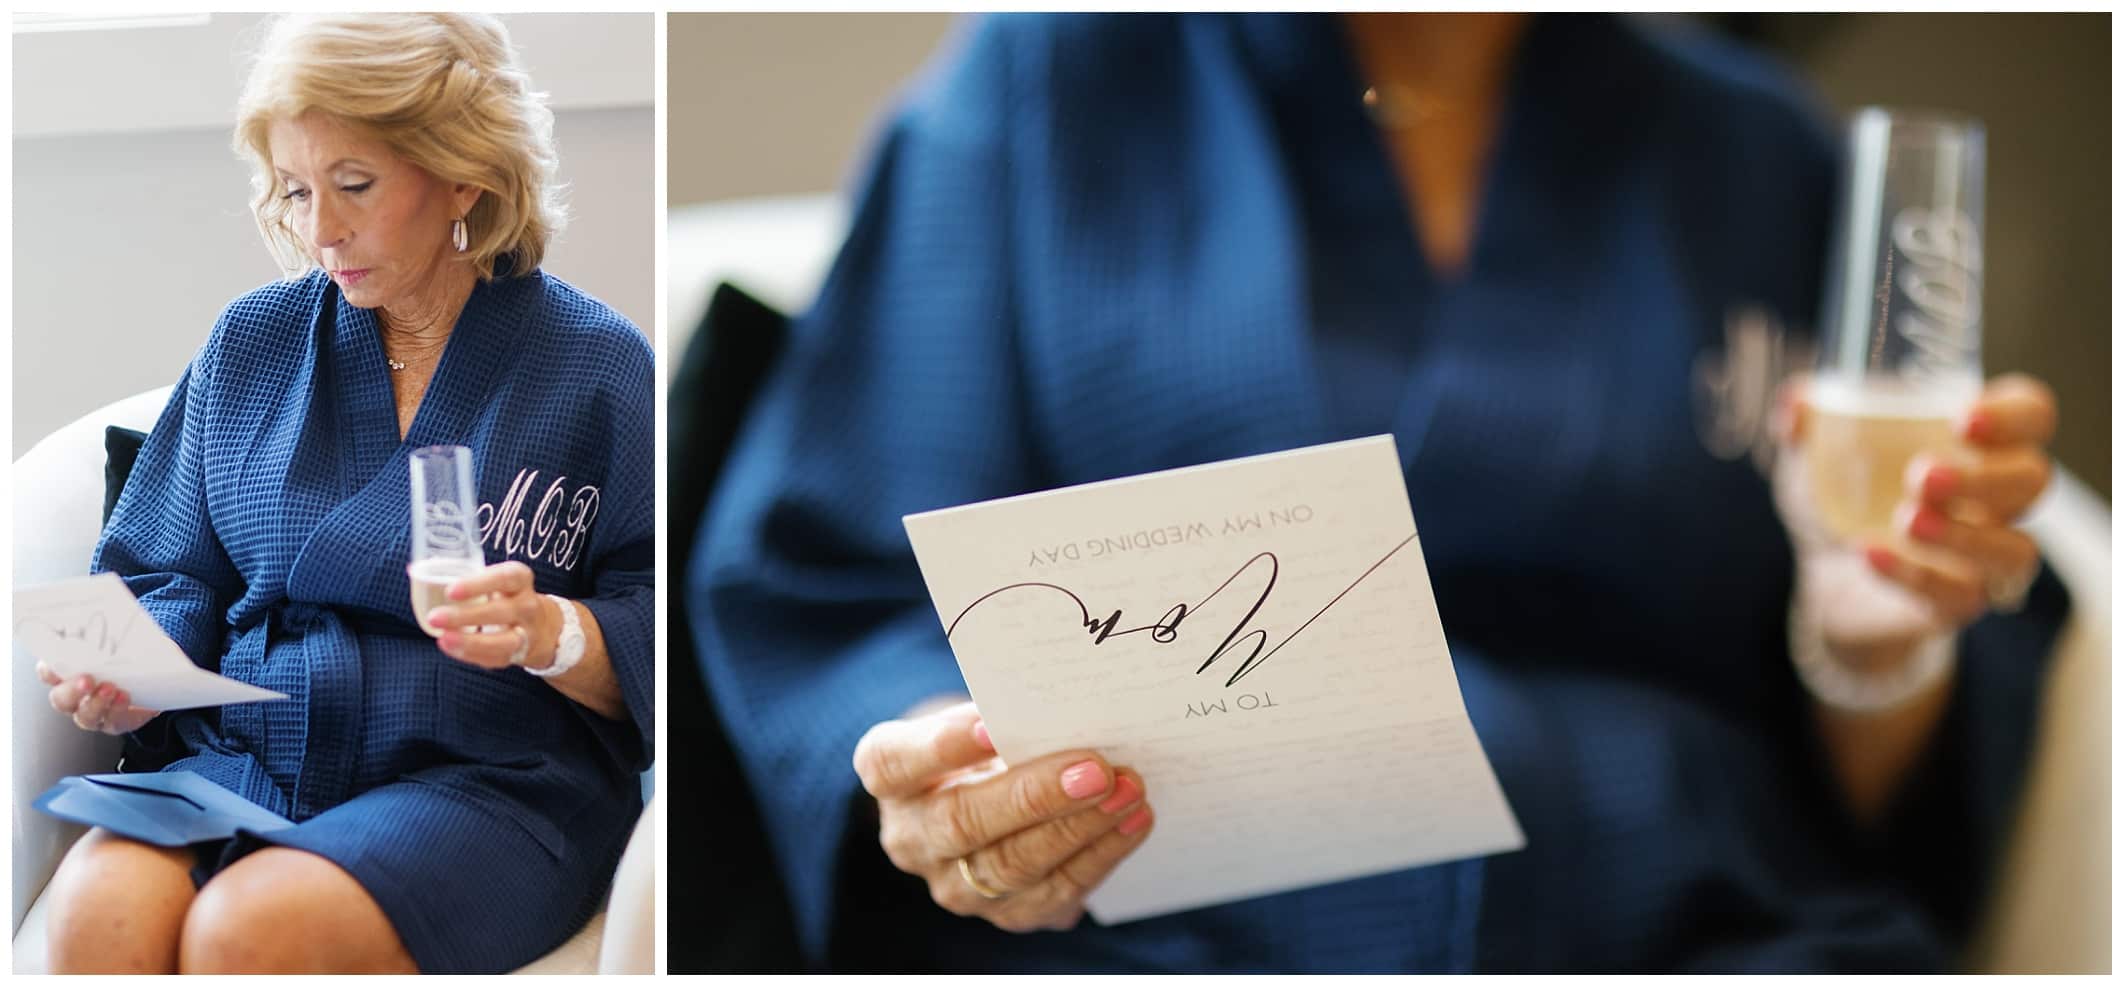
[569, 649]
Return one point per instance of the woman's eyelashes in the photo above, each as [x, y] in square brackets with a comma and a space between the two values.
[299, 194]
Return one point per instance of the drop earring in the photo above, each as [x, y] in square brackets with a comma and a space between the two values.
[458, 237]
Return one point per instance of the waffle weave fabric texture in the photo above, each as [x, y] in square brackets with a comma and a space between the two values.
[267, 528]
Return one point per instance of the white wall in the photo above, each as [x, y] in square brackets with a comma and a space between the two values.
[130, 225]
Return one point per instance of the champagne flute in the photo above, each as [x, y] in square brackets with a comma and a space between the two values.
[1901, 361]
[445, 544]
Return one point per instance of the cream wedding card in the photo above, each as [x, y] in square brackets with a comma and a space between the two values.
[1257, 638]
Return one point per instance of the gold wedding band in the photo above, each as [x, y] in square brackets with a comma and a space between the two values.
[966, 872]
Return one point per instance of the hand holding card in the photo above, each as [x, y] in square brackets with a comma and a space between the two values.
[1019, 846]
[99, 706]
[93, 629]
[1256, 638]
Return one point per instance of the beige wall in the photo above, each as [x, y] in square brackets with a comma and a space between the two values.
[2040, 83]
[783, 104]
[780, 104]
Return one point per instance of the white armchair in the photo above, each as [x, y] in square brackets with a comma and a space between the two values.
[2050, 913]
[58, 487]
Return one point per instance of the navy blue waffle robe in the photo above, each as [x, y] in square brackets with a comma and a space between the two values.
[1089, 247]
[267, 526]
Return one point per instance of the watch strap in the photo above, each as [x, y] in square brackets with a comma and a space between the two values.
[568, 649]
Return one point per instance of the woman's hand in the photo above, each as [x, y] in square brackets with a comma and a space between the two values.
[1963, 557]
[98, 706]
[515, 625]
[508, 620]
[1957, 557]
[1962, 513]
[1018, 846]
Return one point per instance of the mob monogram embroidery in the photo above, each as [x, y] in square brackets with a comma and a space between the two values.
[1735, 390]
[554, 531]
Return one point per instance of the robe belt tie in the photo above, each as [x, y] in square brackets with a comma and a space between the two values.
[299, 617]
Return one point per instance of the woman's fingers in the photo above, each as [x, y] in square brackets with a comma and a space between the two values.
[2006, 552]
[504, 577]
[903, 758]
[1954, 587]
[1996, 484]
[95, 709]
[485, 650]
[1089, 867]
[124, 717]
[1788, 420]
[1060, 904]
[994, 841]
[46, 675]
[1028, 858]
[964, 818]
[500, 618]
[497, 610]
[68, 696]
[2015, 409]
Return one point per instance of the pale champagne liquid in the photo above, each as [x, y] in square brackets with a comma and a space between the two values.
[1859, 440]
[431, 579]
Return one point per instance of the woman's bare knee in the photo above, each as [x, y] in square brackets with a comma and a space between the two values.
[288, 911]
[116, 906]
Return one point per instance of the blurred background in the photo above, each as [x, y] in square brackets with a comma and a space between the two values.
[132, 226]
[770, 118]
[782, 105]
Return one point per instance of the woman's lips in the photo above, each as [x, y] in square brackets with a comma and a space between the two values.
[351, 276]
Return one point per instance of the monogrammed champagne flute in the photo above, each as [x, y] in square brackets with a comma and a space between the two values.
[445, 542]
[1900, 361]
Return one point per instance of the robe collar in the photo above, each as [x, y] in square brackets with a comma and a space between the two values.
[489, 328]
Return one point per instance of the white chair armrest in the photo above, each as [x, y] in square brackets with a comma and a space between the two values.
[2050, 910]
[58, 489]
[776, 249]
[630, 915]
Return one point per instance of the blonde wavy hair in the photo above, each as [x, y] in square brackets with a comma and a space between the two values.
[443, 91]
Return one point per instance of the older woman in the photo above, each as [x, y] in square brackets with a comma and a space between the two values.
[460, 802]
[1091, 247]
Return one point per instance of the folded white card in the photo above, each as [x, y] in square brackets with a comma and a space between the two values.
[1257, 638]
[93, 626]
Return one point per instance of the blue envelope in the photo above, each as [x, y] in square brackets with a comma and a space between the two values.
[166, 808]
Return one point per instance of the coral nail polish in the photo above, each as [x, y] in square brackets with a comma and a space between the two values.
[1978, 427]
[1927, 524]
[1136, 823]
[1083, 780]
[1126, 792]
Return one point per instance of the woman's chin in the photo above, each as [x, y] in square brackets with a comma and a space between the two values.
[358, 294]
